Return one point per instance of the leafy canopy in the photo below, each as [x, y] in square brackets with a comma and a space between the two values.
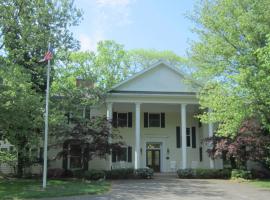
[232, 55]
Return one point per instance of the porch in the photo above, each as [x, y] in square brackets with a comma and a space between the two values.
[164, 135]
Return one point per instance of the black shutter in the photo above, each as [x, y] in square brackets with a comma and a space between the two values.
[114, 120]
[130, 119]
[162, 120]
[113, 156]
[188, 136]
[65, 154]
[201, 156]
[129, 154]
[193, 132]
[145, 120]
[178, 137]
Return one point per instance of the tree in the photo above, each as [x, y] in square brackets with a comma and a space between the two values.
[26, 27]
[250, 143]
[232, 56]
[143, 58]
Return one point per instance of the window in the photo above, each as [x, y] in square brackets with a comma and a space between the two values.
[190, 137]
[75, 156]
[122, 119]
[154, 120]
[123, 154]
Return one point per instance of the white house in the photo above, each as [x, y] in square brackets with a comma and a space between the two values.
[154, 111]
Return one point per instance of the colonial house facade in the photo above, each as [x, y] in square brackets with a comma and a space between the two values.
[155, 113]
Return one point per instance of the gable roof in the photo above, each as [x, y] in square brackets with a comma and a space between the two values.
[152, 67]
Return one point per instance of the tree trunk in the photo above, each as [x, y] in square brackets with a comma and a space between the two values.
[20, 164]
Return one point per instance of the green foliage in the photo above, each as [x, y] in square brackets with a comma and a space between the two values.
[94, 175]
[25, 28]
[120, 173]
[143, 58]
[204, 173]
[8, 157]
[232, 55]
[238, 173]
[145, 173]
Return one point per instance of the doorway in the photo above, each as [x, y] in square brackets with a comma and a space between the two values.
[153, 156]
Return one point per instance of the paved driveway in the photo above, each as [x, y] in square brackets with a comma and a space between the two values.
[179, 189]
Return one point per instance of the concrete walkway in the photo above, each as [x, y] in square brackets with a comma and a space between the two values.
[171, 188]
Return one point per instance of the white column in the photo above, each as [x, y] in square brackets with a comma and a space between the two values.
[137, 136]
[109, 117]
[184, 137]
[210, 134]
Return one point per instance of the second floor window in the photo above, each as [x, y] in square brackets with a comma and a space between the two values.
[154, 120]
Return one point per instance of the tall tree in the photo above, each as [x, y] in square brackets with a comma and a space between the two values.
[231, 56]
[26, 27]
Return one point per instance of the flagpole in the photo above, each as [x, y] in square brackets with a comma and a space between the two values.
[45, 153]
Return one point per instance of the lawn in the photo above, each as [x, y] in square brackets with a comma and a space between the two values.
[261, 183]
[25, 189]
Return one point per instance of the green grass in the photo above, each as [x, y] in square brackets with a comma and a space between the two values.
[25, 189]
[261, 183]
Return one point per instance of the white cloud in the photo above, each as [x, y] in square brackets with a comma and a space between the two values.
[107, 15]
[90, 42]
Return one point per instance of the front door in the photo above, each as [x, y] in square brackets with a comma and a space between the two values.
[153, 159]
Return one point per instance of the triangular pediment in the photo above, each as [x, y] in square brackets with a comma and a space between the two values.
[158, 78]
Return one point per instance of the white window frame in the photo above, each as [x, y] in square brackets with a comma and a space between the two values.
[69, 156]
[117, 159]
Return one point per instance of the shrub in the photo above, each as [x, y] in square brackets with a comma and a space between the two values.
[56, 173]
[144, 173]
[120, 173]
[204, 173]
[94, 175]
[78, 173]
[239, 173]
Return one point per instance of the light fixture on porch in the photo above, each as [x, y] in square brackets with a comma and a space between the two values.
[141, 150]
[168, 151]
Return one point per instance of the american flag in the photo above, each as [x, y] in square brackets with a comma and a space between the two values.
[48, 56]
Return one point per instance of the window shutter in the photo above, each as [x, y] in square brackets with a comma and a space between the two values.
[86, 157]
[178, 137]
[162, 120]
[145, 120]
[188, 136]
[113, 156]
[129, 154]
[114, 120]
[130, 119]
[193, 131]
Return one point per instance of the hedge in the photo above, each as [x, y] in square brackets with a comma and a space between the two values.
[204, 173]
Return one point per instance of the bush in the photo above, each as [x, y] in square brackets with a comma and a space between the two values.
[78, 173]
[120, 173]
[144, 173]
[204, 173]
[94, 175]
[239, 173]
[56, 173]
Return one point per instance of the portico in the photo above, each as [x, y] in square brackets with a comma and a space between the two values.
[155, 113]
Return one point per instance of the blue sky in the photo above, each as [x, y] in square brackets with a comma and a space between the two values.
[149, 24]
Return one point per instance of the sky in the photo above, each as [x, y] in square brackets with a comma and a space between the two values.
[148, 24]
